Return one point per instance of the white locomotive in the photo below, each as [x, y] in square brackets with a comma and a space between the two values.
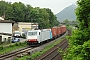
[38, 36]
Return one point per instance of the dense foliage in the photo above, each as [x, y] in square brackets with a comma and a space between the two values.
[79, 48]
[20, 12]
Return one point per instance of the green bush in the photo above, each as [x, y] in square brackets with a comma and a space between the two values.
[1, 48]
[16, 44]
[20, 43]
[11, 45]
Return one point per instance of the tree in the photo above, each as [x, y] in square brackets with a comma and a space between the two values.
[66, 21]
[19, 12]
[52, 18]
[83, 13]
[80, 39]
[3, 7]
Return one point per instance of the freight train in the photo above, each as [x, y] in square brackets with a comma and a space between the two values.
[35, 37]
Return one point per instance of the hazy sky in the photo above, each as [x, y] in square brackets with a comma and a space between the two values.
[55, 5]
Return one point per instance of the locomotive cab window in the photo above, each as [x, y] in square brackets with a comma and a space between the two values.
[32, 33]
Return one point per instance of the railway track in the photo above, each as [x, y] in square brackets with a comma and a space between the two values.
[53, 52]
[57, 55]
[15, 53]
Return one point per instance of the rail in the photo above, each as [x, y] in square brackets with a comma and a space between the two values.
[21, 51]
[51, 55]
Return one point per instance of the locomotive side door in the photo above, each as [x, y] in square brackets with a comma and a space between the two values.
[39, 37]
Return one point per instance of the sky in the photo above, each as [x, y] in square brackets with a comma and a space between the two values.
[55, 5]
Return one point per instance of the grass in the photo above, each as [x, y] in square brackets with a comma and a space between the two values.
[37, 54]
[12, 47]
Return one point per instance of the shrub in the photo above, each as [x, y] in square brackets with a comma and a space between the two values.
[1, 48]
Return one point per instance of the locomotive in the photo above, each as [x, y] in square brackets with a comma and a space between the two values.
[35, 37]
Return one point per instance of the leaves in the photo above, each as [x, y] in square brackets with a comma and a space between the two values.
[20, 12]
[79, 42]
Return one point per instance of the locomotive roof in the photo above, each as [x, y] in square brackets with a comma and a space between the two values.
[34, 30]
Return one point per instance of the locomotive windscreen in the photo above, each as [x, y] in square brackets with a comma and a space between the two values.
[32, 33]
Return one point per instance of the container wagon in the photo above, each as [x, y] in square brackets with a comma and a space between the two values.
[54, 32]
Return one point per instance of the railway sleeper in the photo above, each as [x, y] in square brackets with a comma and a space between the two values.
[20, 55]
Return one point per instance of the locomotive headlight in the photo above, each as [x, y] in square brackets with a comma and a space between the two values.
[32, 40]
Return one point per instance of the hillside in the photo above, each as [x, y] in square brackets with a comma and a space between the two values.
[67, 13]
